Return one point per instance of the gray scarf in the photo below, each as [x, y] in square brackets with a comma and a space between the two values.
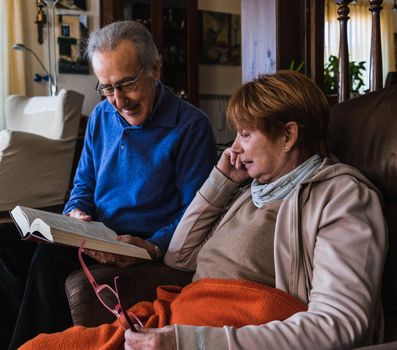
[278, 189]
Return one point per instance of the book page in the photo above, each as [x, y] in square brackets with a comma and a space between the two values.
[62, 229]
[68, 224]
[23, 221]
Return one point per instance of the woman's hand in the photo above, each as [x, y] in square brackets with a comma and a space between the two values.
[230, 165]
[79, 214]
[151, 339]
[121, 260]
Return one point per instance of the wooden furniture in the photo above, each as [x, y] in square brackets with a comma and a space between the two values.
[375, 79]
[174, 26]
[344, 84]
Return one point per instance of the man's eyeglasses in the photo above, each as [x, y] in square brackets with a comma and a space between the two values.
[124, 86]
[109, 297]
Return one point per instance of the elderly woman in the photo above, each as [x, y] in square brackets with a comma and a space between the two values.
[307, 230]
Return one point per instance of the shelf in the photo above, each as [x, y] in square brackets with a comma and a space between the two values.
[173, 24]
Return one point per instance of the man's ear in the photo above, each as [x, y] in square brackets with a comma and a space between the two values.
[291, 135]
[157, 70]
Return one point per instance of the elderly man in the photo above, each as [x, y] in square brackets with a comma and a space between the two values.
[145, 155]
[146, 151]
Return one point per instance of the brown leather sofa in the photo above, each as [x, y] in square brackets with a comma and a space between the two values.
[136, 283]
[363, 133]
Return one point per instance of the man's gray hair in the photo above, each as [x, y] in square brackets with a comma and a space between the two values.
[108, 37]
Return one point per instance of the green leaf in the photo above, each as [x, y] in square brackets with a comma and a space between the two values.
[331, 69]
[297, 69]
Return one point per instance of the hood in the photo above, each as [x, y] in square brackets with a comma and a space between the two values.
[331, 167]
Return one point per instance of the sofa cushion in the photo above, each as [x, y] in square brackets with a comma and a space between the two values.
[363, 133]
[48, 116]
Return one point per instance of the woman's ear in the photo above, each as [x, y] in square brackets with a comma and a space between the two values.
[291, 135]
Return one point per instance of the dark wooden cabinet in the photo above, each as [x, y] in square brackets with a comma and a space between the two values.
[174, 27]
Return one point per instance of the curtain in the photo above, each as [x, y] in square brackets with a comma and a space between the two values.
[12, 65]
[359, 35]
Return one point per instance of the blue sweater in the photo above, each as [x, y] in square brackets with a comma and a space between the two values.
[140, 180]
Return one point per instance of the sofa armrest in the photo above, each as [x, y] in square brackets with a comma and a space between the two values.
[136, 283]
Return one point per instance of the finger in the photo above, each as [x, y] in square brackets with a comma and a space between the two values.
[128, 239]
[133, 339]
[110, 256]
[129, 335]
[79, 214]
[233, 158]
[143, 330]
[89, 252]
[236, 160]
[74, 214]
[85, 217]
[127, 262]
[98, 256]
[139, 328]
[133, 240]
[238, 163]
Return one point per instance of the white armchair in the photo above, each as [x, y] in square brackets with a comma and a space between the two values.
[37, 149]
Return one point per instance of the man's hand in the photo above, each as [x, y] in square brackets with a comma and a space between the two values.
[121, 260]
[79, 214]
[230, 165]
[151, 339]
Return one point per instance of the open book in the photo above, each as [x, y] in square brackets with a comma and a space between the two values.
[49, 227]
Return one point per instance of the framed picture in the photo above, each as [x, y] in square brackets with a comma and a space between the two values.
[220, 38]
[72, 4]
[65, 30]
[72, 36]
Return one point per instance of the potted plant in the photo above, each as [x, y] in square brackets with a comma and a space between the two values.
[298, 68]
[331, 76]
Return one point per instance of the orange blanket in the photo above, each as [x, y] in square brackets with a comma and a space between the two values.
[208, 302]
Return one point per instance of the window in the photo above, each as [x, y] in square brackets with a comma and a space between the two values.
[359, 35]
[12, 71]
[3, 61]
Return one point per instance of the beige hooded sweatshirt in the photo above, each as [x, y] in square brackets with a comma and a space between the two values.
[329, 249]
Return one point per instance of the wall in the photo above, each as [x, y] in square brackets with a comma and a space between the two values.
[84, 84]
[213, 79]
[218, 82]
[219, 79]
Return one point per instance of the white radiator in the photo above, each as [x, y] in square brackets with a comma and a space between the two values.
[215, 107]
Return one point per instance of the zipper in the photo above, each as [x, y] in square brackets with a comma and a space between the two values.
[294, 245]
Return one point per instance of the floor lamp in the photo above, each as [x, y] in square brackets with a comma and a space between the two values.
[52, 44]
[52, 88]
